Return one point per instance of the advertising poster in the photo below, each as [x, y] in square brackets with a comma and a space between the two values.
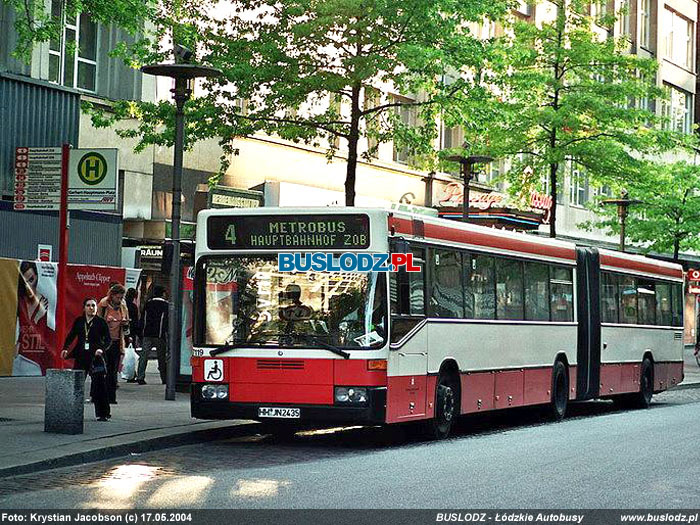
[87, 282]
[36, 318]
[28, 293]
[9, 275]
[186, 335]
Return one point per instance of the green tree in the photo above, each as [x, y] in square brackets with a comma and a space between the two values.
[571, 93]
[37, 22]
[668, 218]
[317, 71]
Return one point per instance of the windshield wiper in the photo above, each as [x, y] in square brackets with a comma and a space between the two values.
[230, 346]
[327, 346]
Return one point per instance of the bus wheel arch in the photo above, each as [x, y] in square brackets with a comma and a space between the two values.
[447, 401]
[559, 398]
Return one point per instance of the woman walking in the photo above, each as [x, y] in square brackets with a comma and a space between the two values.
[91, 336]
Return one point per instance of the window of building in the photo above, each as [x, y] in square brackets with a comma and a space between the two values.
[624, 18]
[482, 285]
[677, 110]
[524, 8]
[578, 187]
[561, 289]
[677, 39]
[408, 115]
[628, 300]
[645, 8]
[446, 290]
[609, 301]
[536, 292]
[73, 56]
[509, 289]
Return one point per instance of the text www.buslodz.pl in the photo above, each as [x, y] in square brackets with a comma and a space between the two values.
[345, 262]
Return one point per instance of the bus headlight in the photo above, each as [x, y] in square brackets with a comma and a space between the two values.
[351, 395]
[222, 391]
[215, 391]
[208, 391]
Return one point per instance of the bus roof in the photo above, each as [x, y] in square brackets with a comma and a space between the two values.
[449, 232]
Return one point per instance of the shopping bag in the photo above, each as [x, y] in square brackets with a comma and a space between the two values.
[129, 363]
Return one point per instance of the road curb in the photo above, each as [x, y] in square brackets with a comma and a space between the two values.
[143, 445]
[686, 386]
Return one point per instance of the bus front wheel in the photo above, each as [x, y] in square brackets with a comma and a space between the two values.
[446, 407]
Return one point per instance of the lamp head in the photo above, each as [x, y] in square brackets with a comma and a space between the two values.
[183, 55]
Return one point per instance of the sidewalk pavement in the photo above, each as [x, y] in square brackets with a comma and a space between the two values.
[141, 421]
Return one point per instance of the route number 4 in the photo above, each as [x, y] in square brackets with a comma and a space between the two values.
[231, 234]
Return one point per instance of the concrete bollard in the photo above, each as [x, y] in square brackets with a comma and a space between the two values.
[64, 402]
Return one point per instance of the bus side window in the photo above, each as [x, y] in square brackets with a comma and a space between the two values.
[628, 300]
[678, 300]
[561, 289]
[407, 297]
[481, 283]
[664, 309]
[609, 298]
[446, 290]
[646, 301]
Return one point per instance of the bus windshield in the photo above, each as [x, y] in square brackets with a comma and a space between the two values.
[247, 300]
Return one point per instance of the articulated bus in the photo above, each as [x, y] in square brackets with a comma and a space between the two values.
[491, 320]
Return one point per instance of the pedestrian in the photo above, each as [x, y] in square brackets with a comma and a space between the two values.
[112, 309]
[134, 317]
[134, 339]
[155, 329]
[91, 336]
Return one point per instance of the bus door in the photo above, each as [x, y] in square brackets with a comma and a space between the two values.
[408, 358]
[588, 308]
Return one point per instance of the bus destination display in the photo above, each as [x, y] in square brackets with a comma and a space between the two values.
[302, 232]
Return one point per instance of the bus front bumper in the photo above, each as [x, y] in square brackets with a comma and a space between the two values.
[373, 413]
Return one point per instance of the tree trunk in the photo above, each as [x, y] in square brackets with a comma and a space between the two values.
[553, 169]
[676, 248]
[353, 141]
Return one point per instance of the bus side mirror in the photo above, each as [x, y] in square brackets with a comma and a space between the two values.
[399, 245]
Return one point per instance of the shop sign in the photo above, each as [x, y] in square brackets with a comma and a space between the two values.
[694, 288]
[225, 197]
[453, 195]
[694, 275]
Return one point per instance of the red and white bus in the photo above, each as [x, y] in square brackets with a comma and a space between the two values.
[493, 320]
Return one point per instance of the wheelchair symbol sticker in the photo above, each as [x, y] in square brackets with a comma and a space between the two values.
[214, 370]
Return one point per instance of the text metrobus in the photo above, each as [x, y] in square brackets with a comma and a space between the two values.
[492, 320]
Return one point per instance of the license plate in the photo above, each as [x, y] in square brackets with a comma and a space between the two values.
[285, 413]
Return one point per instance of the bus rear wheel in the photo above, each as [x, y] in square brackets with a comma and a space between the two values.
[646, 385]
[560, 392]
[446, 407]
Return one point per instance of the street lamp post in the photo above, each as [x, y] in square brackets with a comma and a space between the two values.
[183, 75]
[623, 203]
[466, 171]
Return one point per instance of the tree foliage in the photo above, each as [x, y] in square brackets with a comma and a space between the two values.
[317, 71]
[668, 218]
[569, 92]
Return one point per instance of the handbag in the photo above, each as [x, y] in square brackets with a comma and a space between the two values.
[98, 366]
